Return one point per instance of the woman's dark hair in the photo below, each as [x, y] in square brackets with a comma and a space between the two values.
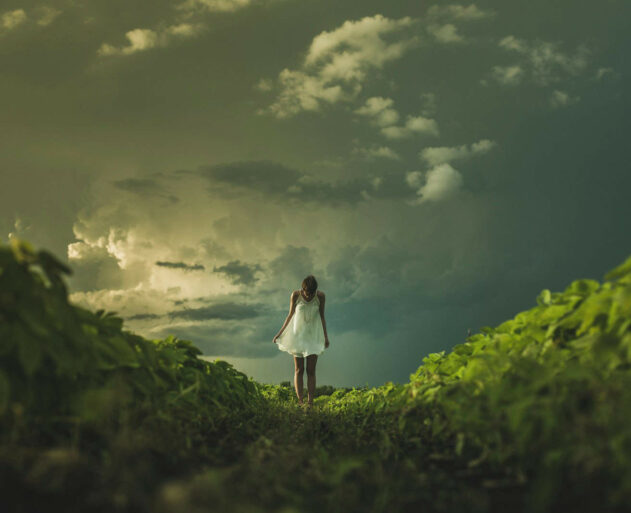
[310, 284]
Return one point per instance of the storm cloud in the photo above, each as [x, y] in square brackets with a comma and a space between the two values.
[223, 311]
[181, 265]
[434, 165]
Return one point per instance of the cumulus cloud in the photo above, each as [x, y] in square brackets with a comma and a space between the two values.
[381, 113]
[441, 182]
[440, 154]
[142, 39]
[338, 63]
[447, 33]
[189, 21]
[12, 19]
[123, 246]
[364, 267]
[413, 125]
[138, 258]
[42, 15]
[380, 110]
[543, 61]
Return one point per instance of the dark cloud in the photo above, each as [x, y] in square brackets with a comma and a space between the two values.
[276, 180]
[260, 175]
[145, 187]
[343, 271]
[221, 311]
[551, 201]
[226, 340]
[181, 265]
[143, 317]
[292, 265]
[238, 272]
[98, 269]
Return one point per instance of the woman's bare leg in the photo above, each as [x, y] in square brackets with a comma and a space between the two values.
[311, 378]
[299, 363]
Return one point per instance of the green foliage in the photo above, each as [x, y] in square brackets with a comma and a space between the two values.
[55, 355]
[531, 415]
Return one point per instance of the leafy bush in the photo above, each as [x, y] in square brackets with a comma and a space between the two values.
[532, 415]
[71, 377]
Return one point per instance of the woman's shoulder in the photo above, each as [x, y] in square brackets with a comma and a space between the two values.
[320, 294]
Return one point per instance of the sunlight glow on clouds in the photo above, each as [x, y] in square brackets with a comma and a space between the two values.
[413, 124]
[447, 33]
[41, 15]
[338, 62]
[379, 110]
[200, 218]
[11, 19]
[145, 39]
[442, 181]
[439, 154]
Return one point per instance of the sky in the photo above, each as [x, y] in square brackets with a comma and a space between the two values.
[434, 165]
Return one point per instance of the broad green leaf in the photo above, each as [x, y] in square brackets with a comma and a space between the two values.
[544, 297]
[29, 349]
[623, 270]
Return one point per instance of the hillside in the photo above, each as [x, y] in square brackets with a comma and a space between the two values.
[532, 415]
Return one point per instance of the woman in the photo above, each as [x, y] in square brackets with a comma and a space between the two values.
[307, 334]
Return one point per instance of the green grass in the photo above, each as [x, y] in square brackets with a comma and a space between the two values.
[531, 415]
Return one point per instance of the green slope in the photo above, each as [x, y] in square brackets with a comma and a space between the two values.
[532, 415]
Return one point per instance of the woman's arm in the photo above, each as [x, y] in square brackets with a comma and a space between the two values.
[292, 309]
[326, 336]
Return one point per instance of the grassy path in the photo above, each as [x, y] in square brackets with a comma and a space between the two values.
[302, 461]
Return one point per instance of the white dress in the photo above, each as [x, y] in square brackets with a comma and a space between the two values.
[304, 334]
